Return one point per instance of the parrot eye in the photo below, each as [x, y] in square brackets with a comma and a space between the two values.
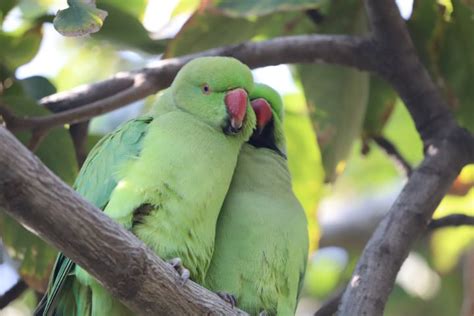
[206, 89]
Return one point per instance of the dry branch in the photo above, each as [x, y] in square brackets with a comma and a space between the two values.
[36, 198]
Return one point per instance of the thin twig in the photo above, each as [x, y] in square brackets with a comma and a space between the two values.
[13, 293]
[329, 307]
[452, 220]
[392, 151]
[79, 134]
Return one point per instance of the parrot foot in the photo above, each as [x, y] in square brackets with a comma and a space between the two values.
[229, 298]
[263, 313]
[177, 264]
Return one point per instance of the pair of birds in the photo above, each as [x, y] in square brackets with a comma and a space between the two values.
[203, 181]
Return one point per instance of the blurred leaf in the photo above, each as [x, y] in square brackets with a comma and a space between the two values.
[304, 160]
[56, 152]
[79, 19]
[36, 256]
[366, 173]
[185, 6]
[19, 49]
[89, 63]
[447, 244]
[382, 99]
[203, 30]
[37, 87]
[125, 30]
[444, 41]
[134, 7]
[5, 7]
[458, 48]
[263, 7]
[337, 96]
[31, 9]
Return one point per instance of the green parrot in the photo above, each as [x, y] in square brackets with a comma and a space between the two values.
[164, 176]
[261, 246]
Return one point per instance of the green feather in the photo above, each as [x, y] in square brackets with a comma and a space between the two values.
[164, 177]
[261, 240]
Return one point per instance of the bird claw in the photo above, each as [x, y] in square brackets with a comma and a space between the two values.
[229, 298]
[263, 313]
[184, 273]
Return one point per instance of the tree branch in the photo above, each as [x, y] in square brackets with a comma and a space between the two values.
[447, 149]
[393, 153]
[13, 293]
[37, 199]
[451, 220]
[335, 49]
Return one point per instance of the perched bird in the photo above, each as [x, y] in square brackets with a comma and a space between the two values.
[164, 176]
[261, 247]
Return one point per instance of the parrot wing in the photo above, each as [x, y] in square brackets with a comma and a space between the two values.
[95, 182]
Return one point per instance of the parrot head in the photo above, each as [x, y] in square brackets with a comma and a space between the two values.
[215, 90]
[268, 108]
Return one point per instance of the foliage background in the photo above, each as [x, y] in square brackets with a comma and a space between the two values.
[342, 178]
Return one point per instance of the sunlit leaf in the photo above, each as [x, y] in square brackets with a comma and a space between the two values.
[134, 7]
[79, 19]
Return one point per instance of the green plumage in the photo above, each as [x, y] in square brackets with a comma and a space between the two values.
[261, 240]
[163, 176]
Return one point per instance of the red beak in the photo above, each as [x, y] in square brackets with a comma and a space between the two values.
[236, 103]
[263, 111]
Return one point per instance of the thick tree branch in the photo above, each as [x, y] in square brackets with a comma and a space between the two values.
[447, 149]
[451, 221]
[13, 293]
[398, 62]
[335, 49]
[35, 197]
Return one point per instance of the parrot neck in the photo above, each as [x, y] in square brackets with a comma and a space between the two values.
[254, 162]
[267, 139]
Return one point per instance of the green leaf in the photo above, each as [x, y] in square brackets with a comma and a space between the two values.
[382, 99]
[337, 96]
[79, 19]
[57, 152]
[444, 42]
[19, 49]
[37, 257]
[263, 7]
[135, 8]
[456, 63]
[37, 87]
[304, 160]
[5, 7]
[204, 30]
[124, 29]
